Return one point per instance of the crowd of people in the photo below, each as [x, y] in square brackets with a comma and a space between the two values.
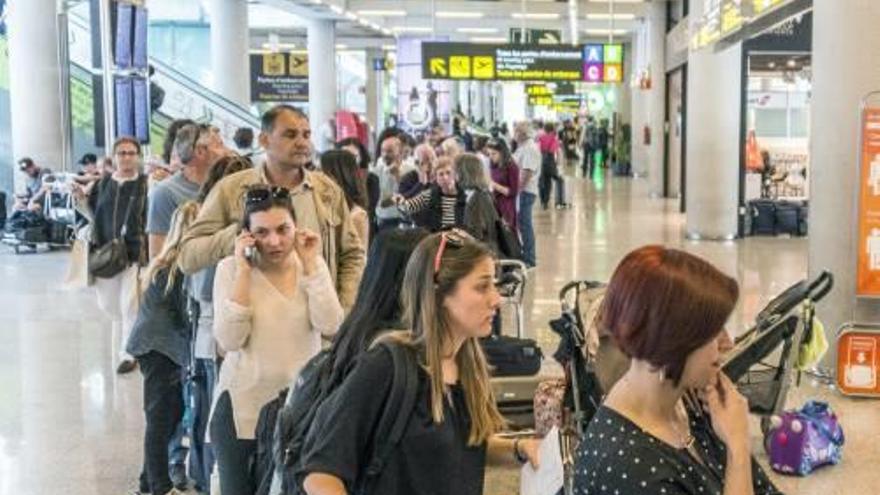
[226, 279]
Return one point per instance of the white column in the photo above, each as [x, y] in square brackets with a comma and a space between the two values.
[372, 91]
[454, 95]
[479, 101]
[34, 83]
[713, 141]
[229, 50]
[843, 72]
[322, 74]
[649, 104]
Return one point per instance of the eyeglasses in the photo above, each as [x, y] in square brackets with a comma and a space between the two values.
[262, 193]
[452, 237]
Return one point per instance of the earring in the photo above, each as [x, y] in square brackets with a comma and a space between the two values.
[662, 376]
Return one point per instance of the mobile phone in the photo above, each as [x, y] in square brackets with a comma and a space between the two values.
[250, 254]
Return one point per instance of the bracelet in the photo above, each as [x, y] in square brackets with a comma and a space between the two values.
[517, 454]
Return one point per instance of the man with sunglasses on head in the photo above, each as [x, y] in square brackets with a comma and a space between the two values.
[318, 202]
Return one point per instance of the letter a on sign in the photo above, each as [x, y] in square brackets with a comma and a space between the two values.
[594, 53]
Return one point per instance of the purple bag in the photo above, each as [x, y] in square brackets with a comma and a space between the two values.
[798, 442]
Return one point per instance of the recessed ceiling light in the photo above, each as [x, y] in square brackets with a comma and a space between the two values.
[382, 13]
[772, 65]
[604, 32]
[412, 29]
[488, 39]
[791, 63]
[535, 15]
[459, 15]
[476, 30]
[605, 17]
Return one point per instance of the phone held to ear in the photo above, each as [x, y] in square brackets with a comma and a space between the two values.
[250, 254]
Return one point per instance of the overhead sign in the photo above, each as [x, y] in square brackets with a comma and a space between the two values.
[535, 36]
[561, 97]
[496, 62]
[868, 271]
[279, 77]
[732, 19]
[858, 361]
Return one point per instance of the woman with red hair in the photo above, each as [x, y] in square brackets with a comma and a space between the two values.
[666, 310]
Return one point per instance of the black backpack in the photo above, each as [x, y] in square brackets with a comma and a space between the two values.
[312, 388]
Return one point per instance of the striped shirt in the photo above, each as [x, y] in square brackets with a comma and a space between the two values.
[422, 202]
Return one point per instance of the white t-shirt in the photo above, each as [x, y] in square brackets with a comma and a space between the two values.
[528, 157]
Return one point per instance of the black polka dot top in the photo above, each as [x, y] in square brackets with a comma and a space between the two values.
[616, 457]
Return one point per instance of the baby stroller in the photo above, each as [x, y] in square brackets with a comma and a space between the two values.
[593, 363]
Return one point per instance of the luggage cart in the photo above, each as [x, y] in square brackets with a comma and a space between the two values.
[58, 227]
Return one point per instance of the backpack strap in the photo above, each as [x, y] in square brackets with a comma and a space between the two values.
[398, 409]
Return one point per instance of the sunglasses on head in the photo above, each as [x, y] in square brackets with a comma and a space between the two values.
[261, 193]
[452, 237]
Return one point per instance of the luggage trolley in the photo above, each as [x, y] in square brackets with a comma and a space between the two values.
[515, 393]
[57, 228]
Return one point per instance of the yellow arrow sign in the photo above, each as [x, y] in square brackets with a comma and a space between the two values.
[438, 66]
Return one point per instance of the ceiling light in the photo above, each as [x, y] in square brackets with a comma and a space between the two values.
[363, 22]
[616, 17]
[341, 46]
[535, 16]
[791, 63]
[604, 32]
[477, 30]
[772, 65]
[389, 48]
[412, 29]
[336, 8]
[616, 1]
[382, 13]
[387, 32]
[351, 15]
[488, 39]
[459, 15]
[279, 46]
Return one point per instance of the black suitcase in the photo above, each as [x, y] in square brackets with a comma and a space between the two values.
[512, 356]
[763, 212]
[803, 220]
[787, 218]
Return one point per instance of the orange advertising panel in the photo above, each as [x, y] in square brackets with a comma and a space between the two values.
[868, 270]
[858, 363]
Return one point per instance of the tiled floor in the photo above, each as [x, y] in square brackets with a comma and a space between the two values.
[69, 425]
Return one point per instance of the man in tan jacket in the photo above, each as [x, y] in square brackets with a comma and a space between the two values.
[318, 202]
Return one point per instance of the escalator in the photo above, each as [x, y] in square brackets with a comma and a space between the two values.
[184, 97]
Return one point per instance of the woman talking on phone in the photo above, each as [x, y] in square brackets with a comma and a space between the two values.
[666, 309]
[274, 299]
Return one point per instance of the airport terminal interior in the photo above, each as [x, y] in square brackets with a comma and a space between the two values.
[579, 215]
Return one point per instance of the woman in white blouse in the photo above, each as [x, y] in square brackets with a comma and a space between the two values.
[274, 299]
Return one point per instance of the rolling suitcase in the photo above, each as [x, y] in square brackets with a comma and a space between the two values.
[514, 360]
[763, 213]
[787, 218]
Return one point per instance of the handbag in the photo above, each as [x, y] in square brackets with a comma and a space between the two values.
[111, 258]
[800, 441]
[508, 241]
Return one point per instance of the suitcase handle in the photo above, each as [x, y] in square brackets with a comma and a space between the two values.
[820, 287]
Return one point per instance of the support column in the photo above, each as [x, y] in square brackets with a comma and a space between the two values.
[34, 83]
[454, 96]
[713, 140]
[229, 50]
[322, 74]
[651, 43]
[843, 72]
[372, 89]
[479, 104]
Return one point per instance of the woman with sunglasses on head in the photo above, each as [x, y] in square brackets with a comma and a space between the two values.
[449, 300]
[666, 310]
[118, 204]
[274, 299]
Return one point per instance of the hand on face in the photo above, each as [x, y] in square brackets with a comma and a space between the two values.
[729, 411]
[307, 244]
[244, 241]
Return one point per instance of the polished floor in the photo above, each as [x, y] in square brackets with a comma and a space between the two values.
[69, 425]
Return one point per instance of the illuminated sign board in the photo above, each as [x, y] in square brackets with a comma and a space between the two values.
[496, 62]
[279, 77]
[762, 6]
[731, 16]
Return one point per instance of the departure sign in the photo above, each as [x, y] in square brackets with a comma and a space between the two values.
[508, 62]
